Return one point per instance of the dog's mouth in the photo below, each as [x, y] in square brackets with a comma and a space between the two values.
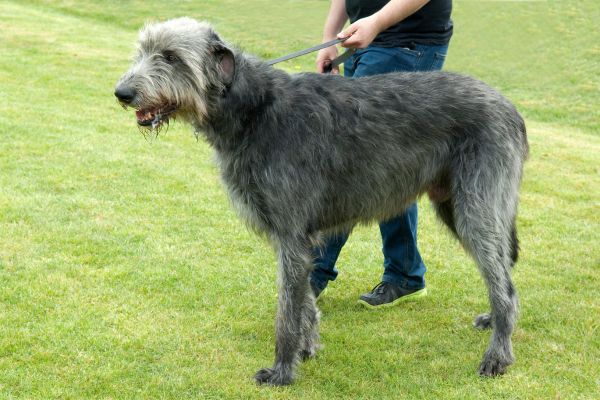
[154, 117]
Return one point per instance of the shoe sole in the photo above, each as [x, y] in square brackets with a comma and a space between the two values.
[409, 297]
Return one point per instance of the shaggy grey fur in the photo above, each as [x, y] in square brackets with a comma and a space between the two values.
[307, 154]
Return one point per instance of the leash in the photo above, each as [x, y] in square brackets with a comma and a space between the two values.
[334, 63]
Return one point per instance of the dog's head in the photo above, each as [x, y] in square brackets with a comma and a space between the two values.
[179, 66]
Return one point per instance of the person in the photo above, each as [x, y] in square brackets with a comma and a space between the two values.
[396, 35]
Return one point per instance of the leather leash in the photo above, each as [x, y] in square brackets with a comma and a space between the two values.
[334, 63]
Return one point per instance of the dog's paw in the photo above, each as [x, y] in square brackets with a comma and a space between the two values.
[310, 350]
[273, 377]
[494, 364]
[306, 354]
[483, 321]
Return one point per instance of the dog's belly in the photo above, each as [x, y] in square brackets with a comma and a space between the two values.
[341, 210]
[340, 215]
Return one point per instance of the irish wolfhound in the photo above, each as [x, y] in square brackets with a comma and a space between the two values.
[307, 154]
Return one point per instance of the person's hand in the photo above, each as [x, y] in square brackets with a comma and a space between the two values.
[361, 33]
[324, 58]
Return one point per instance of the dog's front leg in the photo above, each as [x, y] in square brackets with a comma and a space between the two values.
[294, 265]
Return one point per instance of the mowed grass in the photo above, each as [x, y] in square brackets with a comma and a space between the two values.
[125, 274]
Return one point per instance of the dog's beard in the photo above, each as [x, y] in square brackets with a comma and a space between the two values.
[153, 130]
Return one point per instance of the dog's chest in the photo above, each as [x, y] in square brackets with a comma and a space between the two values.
[248, 201]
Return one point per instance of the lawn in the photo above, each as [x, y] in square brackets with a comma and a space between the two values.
[125, 274]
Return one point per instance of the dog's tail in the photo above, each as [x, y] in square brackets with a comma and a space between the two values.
[514, 240]
[514, 245]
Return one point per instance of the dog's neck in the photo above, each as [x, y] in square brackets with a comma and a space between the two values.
[236, 112]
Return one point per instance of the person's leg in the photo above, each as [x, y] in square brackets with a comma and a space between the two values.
[404, 269]
[325, 258]
[402, 262]
[398, 267]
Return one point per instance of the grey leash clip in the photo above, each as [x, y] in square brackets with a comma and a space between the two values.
[338, 60]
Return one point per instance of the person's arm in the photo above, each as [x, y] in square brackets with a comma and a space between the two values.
[363, 31]
[336, 18]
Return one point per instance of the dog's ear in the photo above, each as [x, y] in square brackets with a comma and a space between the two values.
[226, 62]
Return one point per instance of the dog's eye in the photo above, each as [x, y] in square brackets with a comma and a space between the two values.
[170, 57]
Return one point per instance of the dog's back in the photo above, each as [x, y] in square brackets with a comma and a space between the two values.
[382, 140]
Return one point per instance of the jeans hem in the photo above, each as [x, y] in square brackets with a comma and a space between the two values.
[403, 283]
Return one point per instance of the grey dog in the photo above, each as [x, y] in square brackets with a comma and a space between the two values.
[308, 154]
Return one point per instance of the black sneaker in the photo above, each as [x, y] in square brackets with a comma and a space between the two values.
[387, 295]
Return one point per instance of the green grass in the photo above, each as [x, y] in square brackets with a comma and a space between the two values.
[125, 274]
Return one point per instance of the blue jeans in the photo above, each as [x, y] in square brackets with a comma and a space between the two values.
[402, 263]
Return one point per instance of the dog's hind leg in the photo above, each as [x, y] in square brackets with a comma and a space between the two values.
[488, 244]
[484, 321]
[296, 314]
[445, 212]
[485, 197]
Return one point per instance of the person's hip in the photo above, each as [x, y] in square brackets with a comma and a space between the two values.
[414, 57]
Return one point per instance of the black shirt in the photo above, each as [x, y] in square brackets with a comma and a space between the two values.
[429, 25]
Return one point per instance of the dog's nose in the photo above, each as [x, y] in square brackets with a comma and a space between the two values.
[125, 94]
